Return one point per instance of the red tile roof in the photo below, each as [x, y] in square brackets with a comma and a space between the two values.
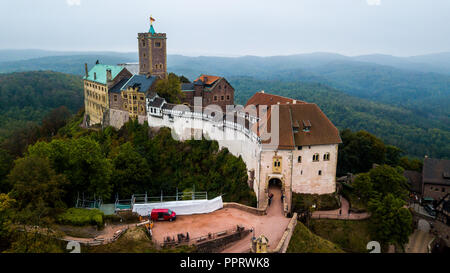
[291, 115]
[209, 79]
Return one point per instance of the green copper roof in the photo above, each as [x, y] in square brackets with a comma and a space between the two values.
[152, 30]
[100, 71]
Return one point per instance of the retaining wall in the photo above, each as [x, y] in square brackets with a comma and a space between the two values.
[256, 211]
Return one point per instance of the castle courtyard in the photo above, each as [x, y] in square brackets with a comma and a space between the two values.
[271, 225]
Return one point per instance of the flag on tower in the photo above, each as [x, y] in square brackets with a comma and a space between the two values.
[152, 19]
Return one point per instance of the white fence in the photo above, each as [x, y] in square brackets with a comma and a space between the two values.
[185, 207]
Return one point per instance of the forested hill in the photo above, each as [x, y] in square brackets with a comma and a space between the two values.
[414, 134]
[27, 97]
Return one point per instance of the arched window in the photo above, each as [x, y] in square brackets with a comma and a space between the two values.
[326, 157]
[316, 157]
[299, 159]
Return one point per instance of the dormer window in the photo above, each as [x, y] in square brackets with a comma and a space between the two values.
[295, 127]
[306, 125]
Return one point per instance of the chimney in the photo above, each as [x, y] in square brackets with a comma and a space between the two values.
[294, 102]
[108, 75]
[95, 76]
[262, 91]
[205, 79]
[86, 70]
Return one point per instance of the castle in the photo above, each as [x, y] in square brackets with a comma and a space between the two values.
[286, 142]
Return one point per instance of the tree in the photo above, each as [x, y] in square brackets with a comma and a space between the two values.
[393, 155]
[388, 180]
[6, 163]
[183, 79]
[363, 186]
[35, 184]
[170, 89]
[131, 173]
[54, 120]
[412, 165]
[6, 206]
[81, 160]
[359, 151]
[391, 222]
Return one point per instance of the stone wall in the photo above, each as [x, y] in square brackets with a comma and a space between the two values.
[435, 191]
[218, 244]
[286, 238]
[256, 211]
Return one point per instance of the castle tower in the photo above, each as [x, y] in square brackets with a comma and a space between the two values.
[152, 53]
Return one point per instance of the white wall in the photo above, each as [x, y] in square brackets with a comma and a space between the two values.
[296, 177]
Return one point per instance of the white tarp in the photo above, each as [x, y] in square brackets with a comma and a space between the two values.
[186, 207]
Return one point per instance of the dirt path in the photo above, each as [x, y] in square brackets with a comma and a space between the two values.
[342, 213]
[106, 233]
[418, 242]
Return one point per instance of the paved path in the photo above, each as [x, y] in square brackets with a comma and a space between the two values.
[271, 225]
[340, 214]
[418, 242]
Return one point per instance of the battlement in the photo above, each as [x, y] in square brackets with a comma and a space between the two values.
[149, 35]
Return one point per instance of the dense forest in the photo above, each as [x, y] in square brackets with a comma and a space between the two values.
[28, 96]
[25, 98]
[416, 135]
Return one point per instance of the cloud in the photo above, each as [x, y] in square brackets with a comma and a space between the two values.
[73, 2]
[373, 2]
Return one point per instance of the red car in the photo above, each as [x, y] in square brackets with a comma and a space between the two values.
[163, 215]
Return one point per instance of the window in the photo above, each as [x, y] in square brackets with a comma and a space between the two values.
[215, 98]
[142, 98]
[326, 157]
[299, 159]
[157, 44]
[143, 43]
[276, 164]
[228, 97]
[316, 157]
[320, 172]
[222, 98]
[299, 147]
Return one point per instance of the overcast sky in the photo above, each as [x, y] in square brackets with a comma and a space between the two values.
[231, 27]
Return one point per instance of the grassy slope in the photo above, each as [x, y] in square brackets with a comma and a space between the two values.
[304, 241]
[352, 236]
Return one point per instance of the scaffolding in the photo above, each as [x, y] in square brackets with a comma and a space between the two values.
[127, 204]
[87, 202]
